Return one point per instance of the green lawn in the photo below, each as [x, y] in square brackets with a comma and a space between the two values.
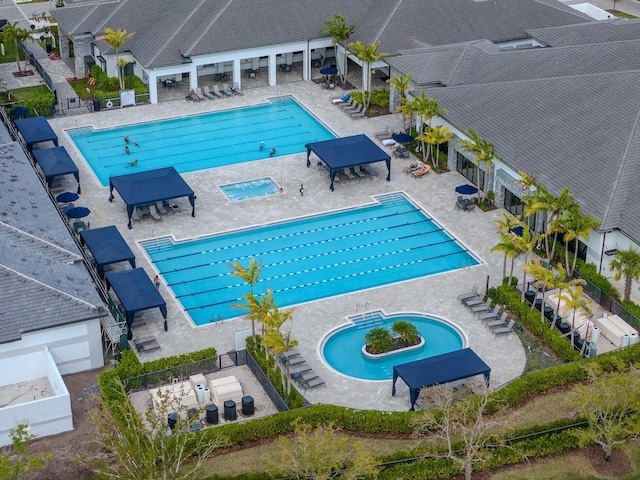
[620, 14]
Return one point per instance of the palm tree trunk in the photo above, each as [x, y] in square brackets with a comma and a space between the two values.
[627, 286]
[575, 260]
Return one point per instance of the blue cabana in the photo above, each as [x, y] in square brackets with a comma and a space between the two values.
[107, 246]
[444, 368]
[36, 130]
[346, 152]
[145, 188]
[56, 162]
[136, 292]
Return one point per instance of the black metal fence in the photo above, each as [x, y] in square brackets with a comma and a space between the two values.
[38, 66]
[262, 377]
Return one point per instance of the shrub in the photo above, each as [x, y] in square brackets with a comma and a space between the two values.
[589, 272]
[43, 104]
[379, 97]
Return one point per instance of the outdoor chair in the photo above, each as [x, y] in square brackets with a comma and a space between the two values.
[492, 314]
[216, 91]
[473, 293]
[348, 174]
[351, 103]
[421, 172]
[236, 89]
[161, 207]
[503, 330]
[358, 171]
[226, 90]
[473, 301]
[153, 211]
[361, 113]
[386, 133]
[192, 96]
[315, 382]
[499, 322]
[146, 344]
[199, 93]
[344, 99]
[484, 307]
[304, 377]
[208, 93]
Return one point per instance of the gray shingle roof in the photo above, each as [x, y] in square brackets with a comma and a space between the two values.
[166, 28]
[43, 282]
[604, 31]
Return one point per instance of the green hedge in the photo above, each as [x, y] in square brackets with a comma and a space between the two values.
[552, 338]
[589, 272]
[379, 97]
[108, 88]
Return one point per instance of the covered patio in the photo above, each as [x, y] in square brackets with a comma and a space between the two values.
[136, 292]
[56, 162]
[439, 369]
[36, 130]
[145, 188]
[107, 246]
[347, 152]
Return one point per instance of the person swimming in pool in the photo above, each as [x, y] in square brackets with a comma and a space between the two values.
[272, 152]
[262, 145]
[126, 139]
[133, 164]
[135, 143]
[126, 149]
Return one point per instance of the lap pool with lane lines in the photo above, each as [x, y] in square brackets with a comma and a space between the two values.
[308, 259]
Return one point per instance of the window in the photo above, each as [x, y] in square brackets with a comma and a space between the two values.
[513, 204]
[469, 170]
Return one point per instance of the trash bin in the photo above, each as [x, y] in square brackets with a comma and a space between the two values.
[172, 418]
[530, 295]
[247, 405]
[49, 48]
[96, 105]
[212, 414]
[230, 410]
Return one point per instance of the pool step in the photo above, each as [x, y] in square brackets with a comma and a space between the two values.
[81, 132]
[368, 319]
[392, 199]
[157, 245]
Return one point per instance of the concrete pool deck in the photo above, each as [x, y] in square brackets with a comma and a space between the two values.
[435, 295]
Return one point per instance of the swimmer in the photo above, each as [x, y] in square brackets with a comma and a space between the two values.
[126, 149]
[133, 164]
[272, 152]
[135, 142]
[126, 139]
[262, 145]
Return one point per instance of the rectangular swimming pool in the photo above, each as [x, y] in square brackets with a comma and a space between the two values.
[307, 259]
[201, 141]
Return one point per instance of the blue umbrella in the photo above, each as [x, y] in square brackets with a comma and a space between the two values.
[67, 197]
[402, 138]
[19, 112]
[328, 71]
[466, 189]
[78, 212]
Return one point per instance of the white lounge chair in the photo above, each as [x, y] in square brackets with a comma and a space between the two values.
[153, 211]
[359, 171]
[386, 133]
[344, 99]
[199, 93]
[207, 92]
[348, 174]
[161, 208]
[226, 90]
[216, 91]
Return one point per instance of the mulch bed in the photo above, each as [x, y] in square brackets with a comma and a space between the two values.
[26, 73]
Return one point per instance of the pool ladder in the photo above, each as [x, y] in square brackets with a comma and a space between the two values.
[366, 317]
[157, 244]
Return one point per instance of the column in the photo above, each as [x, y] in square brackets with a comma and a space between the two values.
[272, 70]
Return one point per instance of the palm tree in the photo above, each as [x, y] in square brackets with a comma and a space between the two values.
[576, 225]
[482, 151]
[378, 340]
[575, 299]
[436, 136]
[336, 27]
[250, 275]
[407, 332]
[627, 265]
[258, 307]
[560, 281]
[430, 110]
[406, 108]
[543, 279]
[368, 55]
[506, 225]
[524, 243]
[400, 84]
[12, 32]
[115, 39]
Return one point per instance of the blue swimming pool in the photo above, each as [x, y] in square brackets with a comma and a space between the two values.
[250, 189]
[201, 141]
[342, 349]
[389, 241]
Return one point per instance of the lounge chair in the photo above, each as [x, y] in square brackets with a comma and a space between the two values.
[299, 368]
[161, 208]
[386, 133]
[359, 172]
[473, 301]
[216, 91]
[344, 99]
[421, 172]
[207, 92]
[314, 382]
[153, 211]
[227, 90]
[502, 330]
[146, 344]
[483, 307]
[475, 292]
[236, 89]
[348, 174]
[360, 113]
[199, 93]
[348, 105]
[193, 96]
[498, 322]
[366, 170]
[492, 314]
[304, 377]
